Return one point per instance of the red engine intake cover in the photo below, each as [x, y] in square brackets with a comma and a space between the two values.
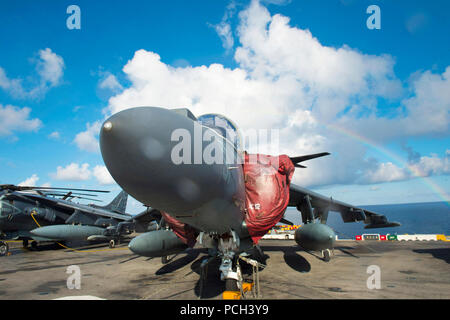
[185, 232]
[267, 180]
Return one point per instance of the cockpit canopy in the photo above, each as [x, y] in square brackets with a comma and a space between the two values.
[7, 208]
[223, 126]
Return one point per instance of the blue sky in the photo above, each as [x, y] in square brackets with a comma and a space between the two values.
[73, 93]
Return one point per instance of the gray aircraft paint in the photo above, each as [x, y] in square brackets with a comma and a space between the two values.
[136, 147]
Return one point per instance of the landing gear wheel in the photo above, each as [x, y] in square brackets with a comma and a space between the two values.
[34, 245]
[326, 255]
[4, 248]
[112, 243]
[25, 243]
[167, 259]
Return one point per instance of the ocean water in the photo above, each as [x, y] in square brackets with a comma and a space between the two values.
[415, 218]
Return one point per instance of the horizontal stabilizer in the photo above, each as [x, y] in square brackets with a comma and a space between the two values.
[297, 160]
[283, 220]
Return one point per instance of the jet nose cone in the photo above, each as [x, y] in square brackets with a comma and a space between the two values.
[139, 128]
[137, 146]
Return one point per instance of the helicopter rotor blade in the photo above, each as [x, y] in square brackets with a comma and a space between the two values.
[21, 188]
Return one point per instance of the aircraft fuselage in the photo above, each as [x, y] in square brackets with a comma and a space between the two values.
[160, 157]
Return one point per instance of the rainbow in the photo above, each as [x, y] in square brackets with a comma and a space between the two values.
[442, 194]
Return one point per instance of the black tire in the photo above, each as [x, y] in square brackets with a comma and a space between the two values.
[326, 255]
[34, 244]
[231, 285]
[167, 259]
[4, 248]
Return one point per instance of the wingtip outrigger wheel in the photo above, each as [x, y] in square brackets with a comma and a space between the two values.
[326, 255]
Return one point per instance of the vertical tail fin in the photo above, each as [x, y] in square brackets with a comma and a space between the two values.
[119, 203]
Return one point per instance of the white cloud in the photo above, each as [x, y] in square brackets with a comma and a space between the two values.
[32, 181]
[223, 28]
[13, 118]
[49, 67]
[282, 70]
[14, 86]
[54, 135]
[81, 172]
[429, 108]
[423, 167]
[428, 166]
[102, 175]
[287, 79]
[271, 48]
[29, 182]
[87, 140]
[72, 172]
[385, 172]
[425, 113]
[110, 82]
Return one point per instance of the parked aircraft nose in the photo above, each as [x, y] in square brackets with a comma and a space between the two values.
[141, 149]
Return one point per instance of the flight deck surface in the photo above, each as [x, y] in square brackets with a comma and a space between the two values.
[408, 270]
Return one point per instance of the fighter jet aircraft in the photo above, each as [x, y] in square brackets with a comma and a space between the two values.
[206, 188]
[46, 214]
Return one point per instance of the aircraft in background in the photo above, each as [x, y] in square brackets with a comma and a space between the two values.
[43, 214]
[153, 154]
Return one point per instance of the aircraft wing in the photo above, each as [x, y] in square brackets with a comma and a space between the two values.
[71, 207]
[147, 216]
[349, 213]
[144, 219]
